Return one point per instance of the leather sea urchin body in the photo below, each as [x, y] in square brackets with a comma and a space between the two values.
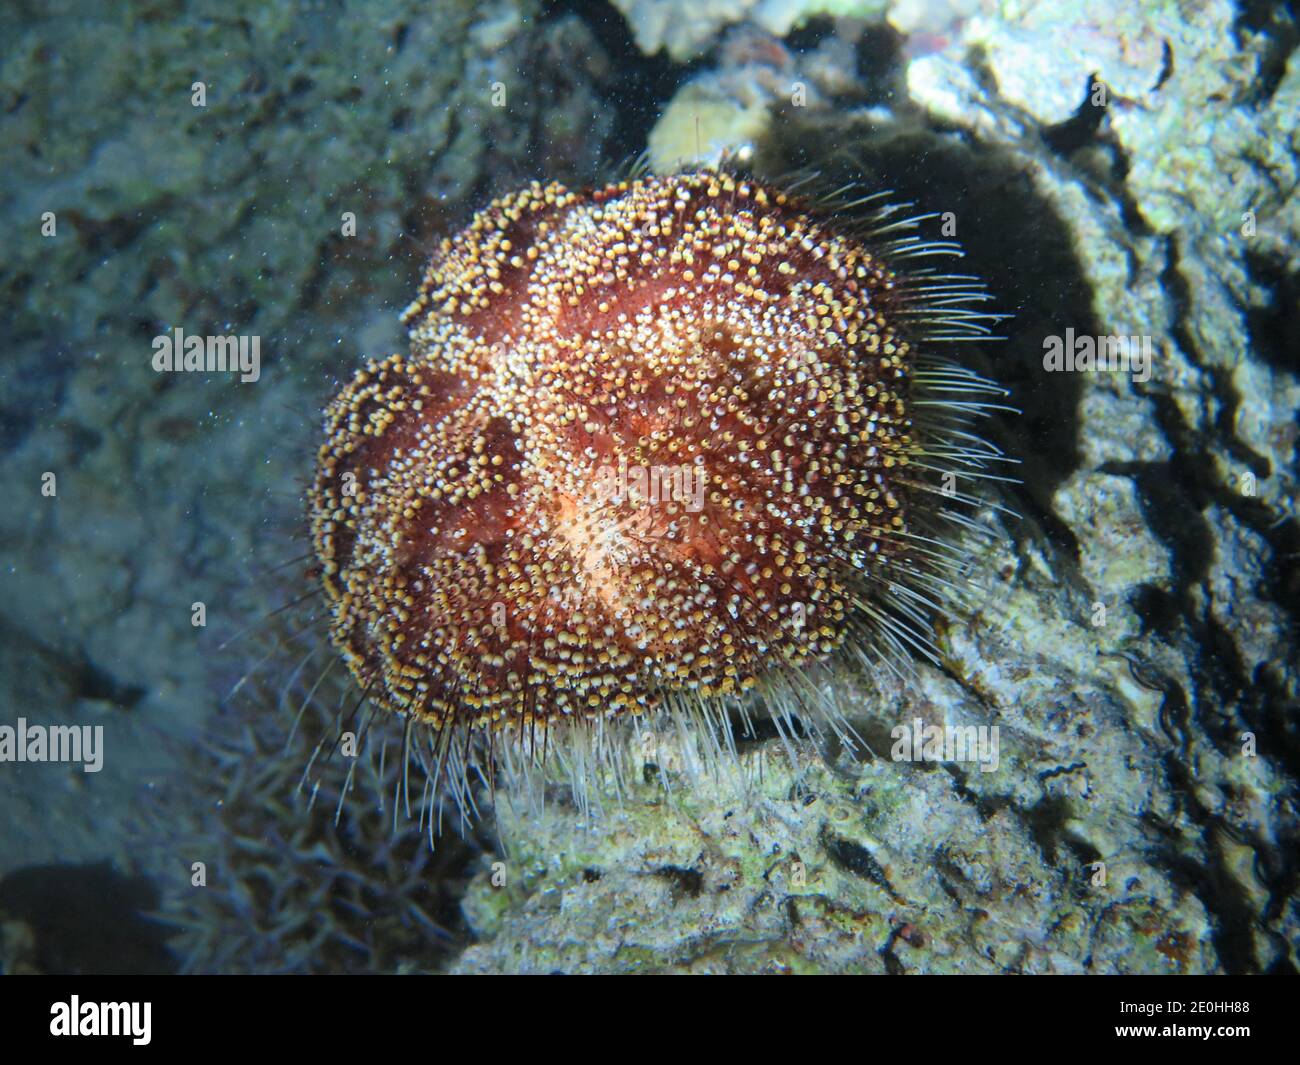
[652, 446]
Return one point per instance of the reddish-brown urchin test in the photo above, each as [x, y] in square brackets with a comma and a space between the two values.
[652, 446]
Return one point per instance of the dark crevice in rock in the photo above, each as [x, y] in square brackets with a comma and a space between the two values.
[101, 238]
[1272, 326]
[754, 729]
[1158, 610]
[1046, 821]
[88, 919]
[855, 859]
[685, 882]
[1224, 424]
[985, 805]
[1228, 677]
[1269, 713]
[882, 67]
[1117, 186]
[1172, 499]
[1166, 66]
[1095, 157]
[893, 963]
[1279, 24]
[1209, 877]
[89, 681]
[808, 36]
[1175, 714]
[1081, 128]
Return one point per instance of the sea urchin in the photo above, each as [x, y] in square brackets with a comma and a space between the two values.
[652, 446]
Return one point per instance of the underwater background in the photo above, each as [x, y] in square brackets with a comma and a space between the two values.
[282, 171]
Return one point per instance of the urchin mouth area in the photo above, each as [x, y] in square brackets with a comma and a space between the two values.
[602, 540]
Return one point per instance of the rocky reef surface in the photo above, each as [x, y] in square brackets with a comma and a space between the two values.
[1114, 170]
